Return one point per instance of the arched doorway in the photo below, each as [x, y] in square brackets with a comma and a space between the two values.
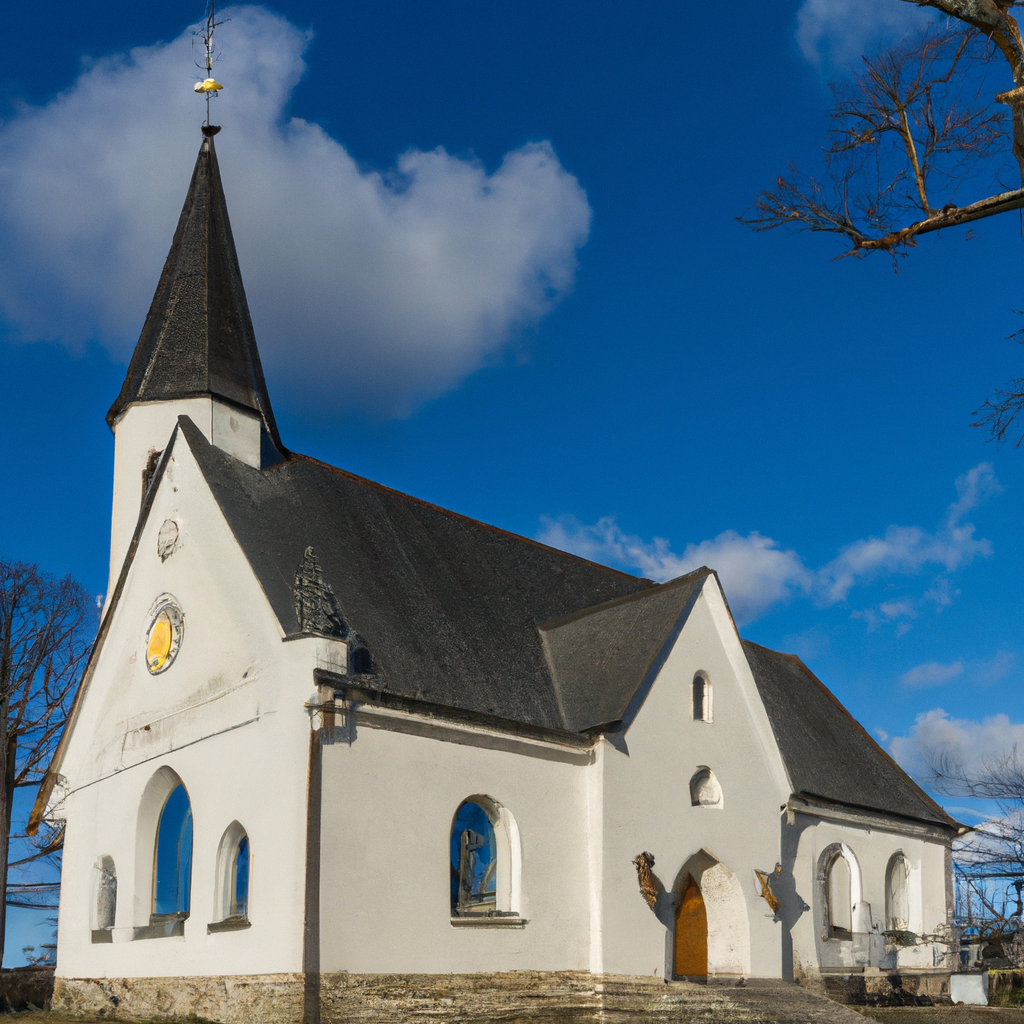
[691, 938]
[712, 932]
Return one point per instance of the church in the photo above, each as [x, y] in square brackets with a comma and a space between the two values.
[337, 746]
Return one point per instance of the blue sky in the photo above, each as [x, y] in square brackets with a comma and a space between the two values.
[492, 255]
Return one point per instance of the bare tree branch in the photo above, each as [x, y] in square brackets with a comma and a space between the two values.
[909, 126]
[46, 629]
[918, 123]
[998, 845]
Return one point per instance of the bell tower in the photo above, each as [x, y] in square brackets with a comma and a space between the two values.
[196, 356]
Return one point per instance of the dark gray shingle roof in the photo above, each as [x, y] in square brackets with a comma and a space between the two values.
[448, 607]
[827, 753]
[198, 337]
[601, 657]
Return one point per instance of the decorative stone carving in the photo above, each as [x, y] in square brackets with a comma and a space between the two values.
[316, 607]
[167, 539]
[643, 862]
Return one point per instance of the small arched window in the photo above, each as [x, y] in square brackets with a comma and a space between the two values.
[474, 862]
[360, 662]
[701, 698]
[897, 896]
[483, 860]
[705, 790]
[233, 870]
[172, 875]
[840, 900]
[104, 898]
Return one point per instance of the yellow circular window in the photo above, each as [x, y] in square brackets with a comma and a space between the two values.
[163, 638]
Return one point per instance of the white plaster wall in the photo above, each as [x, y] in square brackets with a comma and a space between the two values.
[143, 429]
[389, 800]
[647, 804]
[227, 716]
[146, 428]
[872, 848]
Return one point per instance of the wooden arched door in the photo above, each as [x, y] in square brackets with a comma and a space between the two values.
[691, 952]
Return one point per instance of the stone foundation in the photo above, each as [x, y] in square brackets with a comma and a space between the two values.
[1006, 988]
[25, 988]
[446, 999]
[259, 998]
[873, 987]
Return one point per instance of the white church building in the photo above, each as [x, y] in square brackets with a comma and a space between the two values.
[337, 745]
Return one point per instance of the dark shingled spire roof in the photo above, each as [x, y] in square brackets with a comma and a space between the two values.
[198, 338]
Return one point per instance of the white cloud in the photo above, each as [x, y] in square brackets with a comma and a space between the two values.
[972, 743]
[987, 672]
[837, 32]
[369, 288]
[904, 550]
[981, 673]
[757, 572]
[931, 674]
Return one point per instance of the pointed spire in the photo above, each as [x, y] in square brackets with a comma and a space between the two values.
[198, 338]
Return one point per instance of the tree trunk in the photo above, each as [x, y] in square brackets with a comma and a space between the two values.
[9, 751]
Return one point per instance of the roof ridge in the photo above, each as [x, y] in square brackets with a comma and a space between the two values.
[658, 588]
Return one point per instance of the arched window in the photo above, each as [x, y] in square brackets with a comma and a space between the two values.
[897, 896]
[104, 898]
[484, 860]
[705, 790]
[360, 662]
[233, 861]
[840, 899]
[172, 875]
[701, 699]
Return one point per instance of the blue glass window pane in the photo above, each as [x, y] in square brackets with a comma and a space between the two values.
[174, 855]
[473, 881]
[240, 899]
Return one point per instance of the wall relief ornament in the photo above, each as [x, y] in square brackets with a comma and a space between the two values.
[163, 635]
[316, 607]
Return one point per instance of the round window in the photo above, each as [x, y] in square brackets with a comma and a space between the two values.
[163, 638]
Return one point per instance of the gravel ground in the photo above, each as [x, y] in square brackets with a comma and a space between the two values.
[943, 1015]
[698, 1004]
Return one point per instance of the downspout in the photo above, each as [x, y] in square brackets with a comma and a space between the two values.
[311, 917]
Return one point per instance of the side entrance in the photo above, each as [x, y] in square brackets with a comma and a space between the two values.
[691, 938]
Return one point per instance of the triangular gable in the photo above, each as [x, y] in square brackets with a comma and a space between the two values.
[113, 600]
[601, 657]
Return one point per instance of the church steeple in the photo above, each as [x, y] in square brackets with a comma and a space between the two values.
[196, 357]
[198, 340]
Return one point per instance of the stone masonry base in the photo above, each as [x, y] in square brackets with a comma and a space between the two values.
[874, 987]
[444, 999]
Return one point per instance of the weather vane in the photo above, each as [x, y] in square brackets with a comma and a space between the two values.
[209, 86]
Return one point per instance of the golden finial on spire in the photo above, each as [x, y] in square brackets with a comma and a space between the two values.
[209, 86]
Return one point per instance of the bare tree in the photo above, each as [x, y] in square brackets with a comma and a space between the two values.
[47, 626]
[990, 858]
[1000, 414]
[999, 781]
[918, 123]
